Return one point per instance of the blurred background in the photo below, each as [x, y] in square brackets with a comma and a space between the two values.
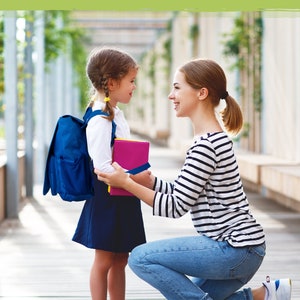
[42, 76]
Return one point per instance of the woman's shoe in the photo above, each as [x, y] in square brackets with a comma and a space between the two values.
[279, 289]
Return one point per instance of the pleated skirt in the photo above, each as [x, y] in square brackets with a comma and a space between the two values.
[110, 223]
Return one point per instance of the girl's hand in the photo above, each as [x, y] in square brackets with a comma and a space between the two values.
[122, 180]
[116, 179]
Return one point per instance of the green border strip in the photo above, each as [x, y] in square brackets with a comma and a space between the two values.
[151, 5]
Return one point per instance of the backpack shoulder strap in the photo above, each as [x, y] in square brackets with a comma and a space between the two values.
[89, 113]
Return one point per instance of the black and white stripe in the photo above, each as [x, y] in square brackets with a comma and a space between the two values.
[209, 186]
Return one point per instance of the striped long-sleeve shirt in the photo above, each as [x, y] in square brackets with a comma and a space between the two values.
[210, 188]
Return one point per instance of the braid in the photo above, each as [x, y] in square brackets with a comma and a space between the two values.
[104, 81]
[108, 108]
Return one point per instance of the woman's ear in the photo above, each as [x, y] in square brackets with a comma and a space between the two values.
[203, 93]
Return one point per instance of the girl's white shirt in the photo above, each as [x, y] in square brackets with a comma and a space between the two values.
[98, 133]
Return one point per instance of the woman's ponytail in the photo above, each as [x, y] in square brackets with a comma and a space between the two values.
[232, 116]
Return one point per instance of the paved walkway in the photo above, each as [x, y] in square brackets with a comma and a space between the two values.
[39, 260]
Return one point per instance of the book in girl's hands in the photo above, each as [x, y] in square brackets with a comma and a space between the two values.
[131, 155]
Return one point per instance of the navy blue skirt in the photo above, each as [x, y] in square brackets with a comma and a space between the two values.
[110, 223]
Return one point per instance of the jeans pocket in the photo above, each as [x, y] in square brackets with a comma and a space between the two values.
[249, 263]
[259, 250]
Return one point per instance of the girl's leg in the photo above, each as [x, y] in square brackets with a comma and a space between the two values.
[99, 272]
[116, 277]
[167, 264]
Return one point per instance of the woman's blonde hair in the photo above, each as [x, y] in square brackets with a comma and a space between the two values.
[207, 73]
[104, 64]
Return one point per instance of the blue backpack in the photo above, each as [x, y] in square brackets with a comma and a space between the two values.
[69, 170]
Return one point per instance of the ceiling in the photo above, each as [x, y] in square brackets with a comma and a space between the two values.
[134, 32]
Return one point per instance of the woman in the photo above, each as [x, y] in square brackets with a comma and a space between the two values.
[230, 245]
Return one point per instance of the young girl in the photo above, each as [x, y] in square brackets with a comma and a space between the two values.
[111, 225]
[230, 245]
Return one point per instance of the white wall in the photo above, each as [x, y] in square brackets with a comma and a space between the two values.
[281, 90]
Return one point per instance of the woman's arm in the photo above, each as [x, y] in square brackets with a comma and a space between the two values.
[123, 180]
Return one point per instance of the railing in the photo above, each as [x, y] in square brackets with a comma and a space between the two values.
[2, 188]
[277, 179]
[21, 183]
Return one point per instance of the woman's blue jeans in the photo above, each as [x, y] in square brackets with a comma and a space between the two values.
[197, 268]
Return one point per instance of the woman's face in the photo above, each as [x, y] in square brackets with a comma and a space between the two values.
[184, 97]
[123, 91]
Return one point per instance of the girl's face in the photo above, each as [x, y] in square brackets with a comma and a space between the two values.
[122, 91]
[184, 97]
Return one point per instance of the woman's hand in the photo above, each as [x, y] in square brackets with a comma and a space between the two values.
[123, 180]
[119, 177]
[144, 178]
[116, 179]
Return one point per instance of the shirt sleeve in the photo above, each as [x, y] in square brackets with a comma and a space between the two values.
[98, 133]
[175, 200]
[162, 186]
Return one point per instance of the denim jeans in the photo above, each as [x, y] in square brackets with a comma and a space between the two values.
[197, 268]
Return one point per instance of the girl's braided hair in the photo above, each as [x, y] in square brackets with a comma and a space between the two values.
[106, 63]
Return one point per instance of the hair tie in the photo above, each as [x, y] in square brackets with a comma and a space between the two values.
[106, 99]
[225, 95]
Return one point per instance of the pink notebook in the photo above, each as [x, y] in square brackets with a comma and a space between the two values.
[131, 155]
